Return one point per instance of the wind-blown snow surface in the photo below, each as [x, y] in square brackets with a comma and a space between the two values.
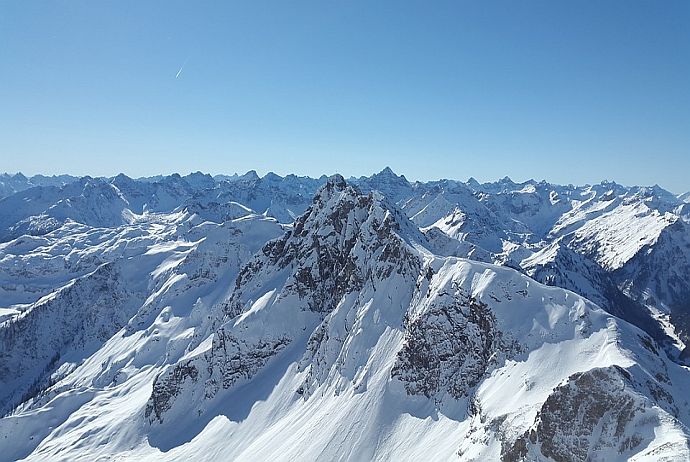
[192, 328]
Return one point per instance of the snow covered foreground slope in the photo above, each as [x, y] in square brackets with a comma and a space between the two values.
[344, 339]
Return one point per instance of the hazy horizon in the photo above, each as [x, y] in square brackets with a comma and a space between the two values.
[568, 92]
[262, 174]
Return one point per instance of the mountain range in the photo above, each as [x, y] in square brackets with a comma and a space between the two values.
[373, 318]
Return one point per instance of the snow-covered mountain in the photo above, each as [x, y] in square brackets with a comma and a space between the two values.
[10, 184]
[176, 318]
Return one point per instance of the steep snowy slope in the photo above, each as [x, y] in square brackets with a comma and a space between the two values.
[185, 266]
[70, 323]
[34, 266]
[658, 275]
[638, 236]
[162, 195]
[537, 206]
[478, 350]
[647, 254]
[442, 244]
[616, 236]
[348, 339]
[211, 333]
[558, 265]
[42, 209]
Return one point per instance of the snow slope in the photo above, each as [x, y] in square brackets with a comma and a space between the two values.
[349, 335]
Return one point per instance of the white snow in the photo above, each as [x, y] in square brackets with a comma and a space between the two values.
[176, 247]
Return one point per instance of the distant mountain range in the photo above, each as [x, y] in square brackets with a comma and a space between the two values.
[373, 318]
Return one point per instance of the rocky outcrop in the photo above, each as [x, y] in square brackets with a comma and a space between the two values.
[594, 413]
[448, 347]
[230, 360]
[344, 242]
[400, 345]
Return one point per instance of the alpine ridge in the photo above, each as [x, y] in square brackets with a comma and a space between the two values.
[289, 318]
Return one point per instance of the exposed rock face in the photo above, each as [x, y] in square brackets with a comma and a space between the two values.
[230, 360]
[353, 336]
[344, 242]
[167, 387]
[593, 413]
[448, 347]
[234, 359]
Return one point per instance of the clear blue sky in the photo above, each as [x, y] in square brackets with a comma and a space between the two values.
[575, 91]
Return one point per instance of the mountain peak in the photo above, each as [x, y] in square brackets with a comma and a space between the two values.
[198, 174]
[251, 175]
[271, 176]
[336, 182]
[341, 230]
[387, 171]
[121, 178]
[336, 196]
[388, 174]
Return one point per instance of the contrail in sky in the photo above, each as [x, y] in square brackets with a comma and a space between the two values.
[181, 67]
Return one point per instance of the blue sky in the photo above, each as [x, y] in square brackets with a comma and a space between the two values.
[571, 92]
